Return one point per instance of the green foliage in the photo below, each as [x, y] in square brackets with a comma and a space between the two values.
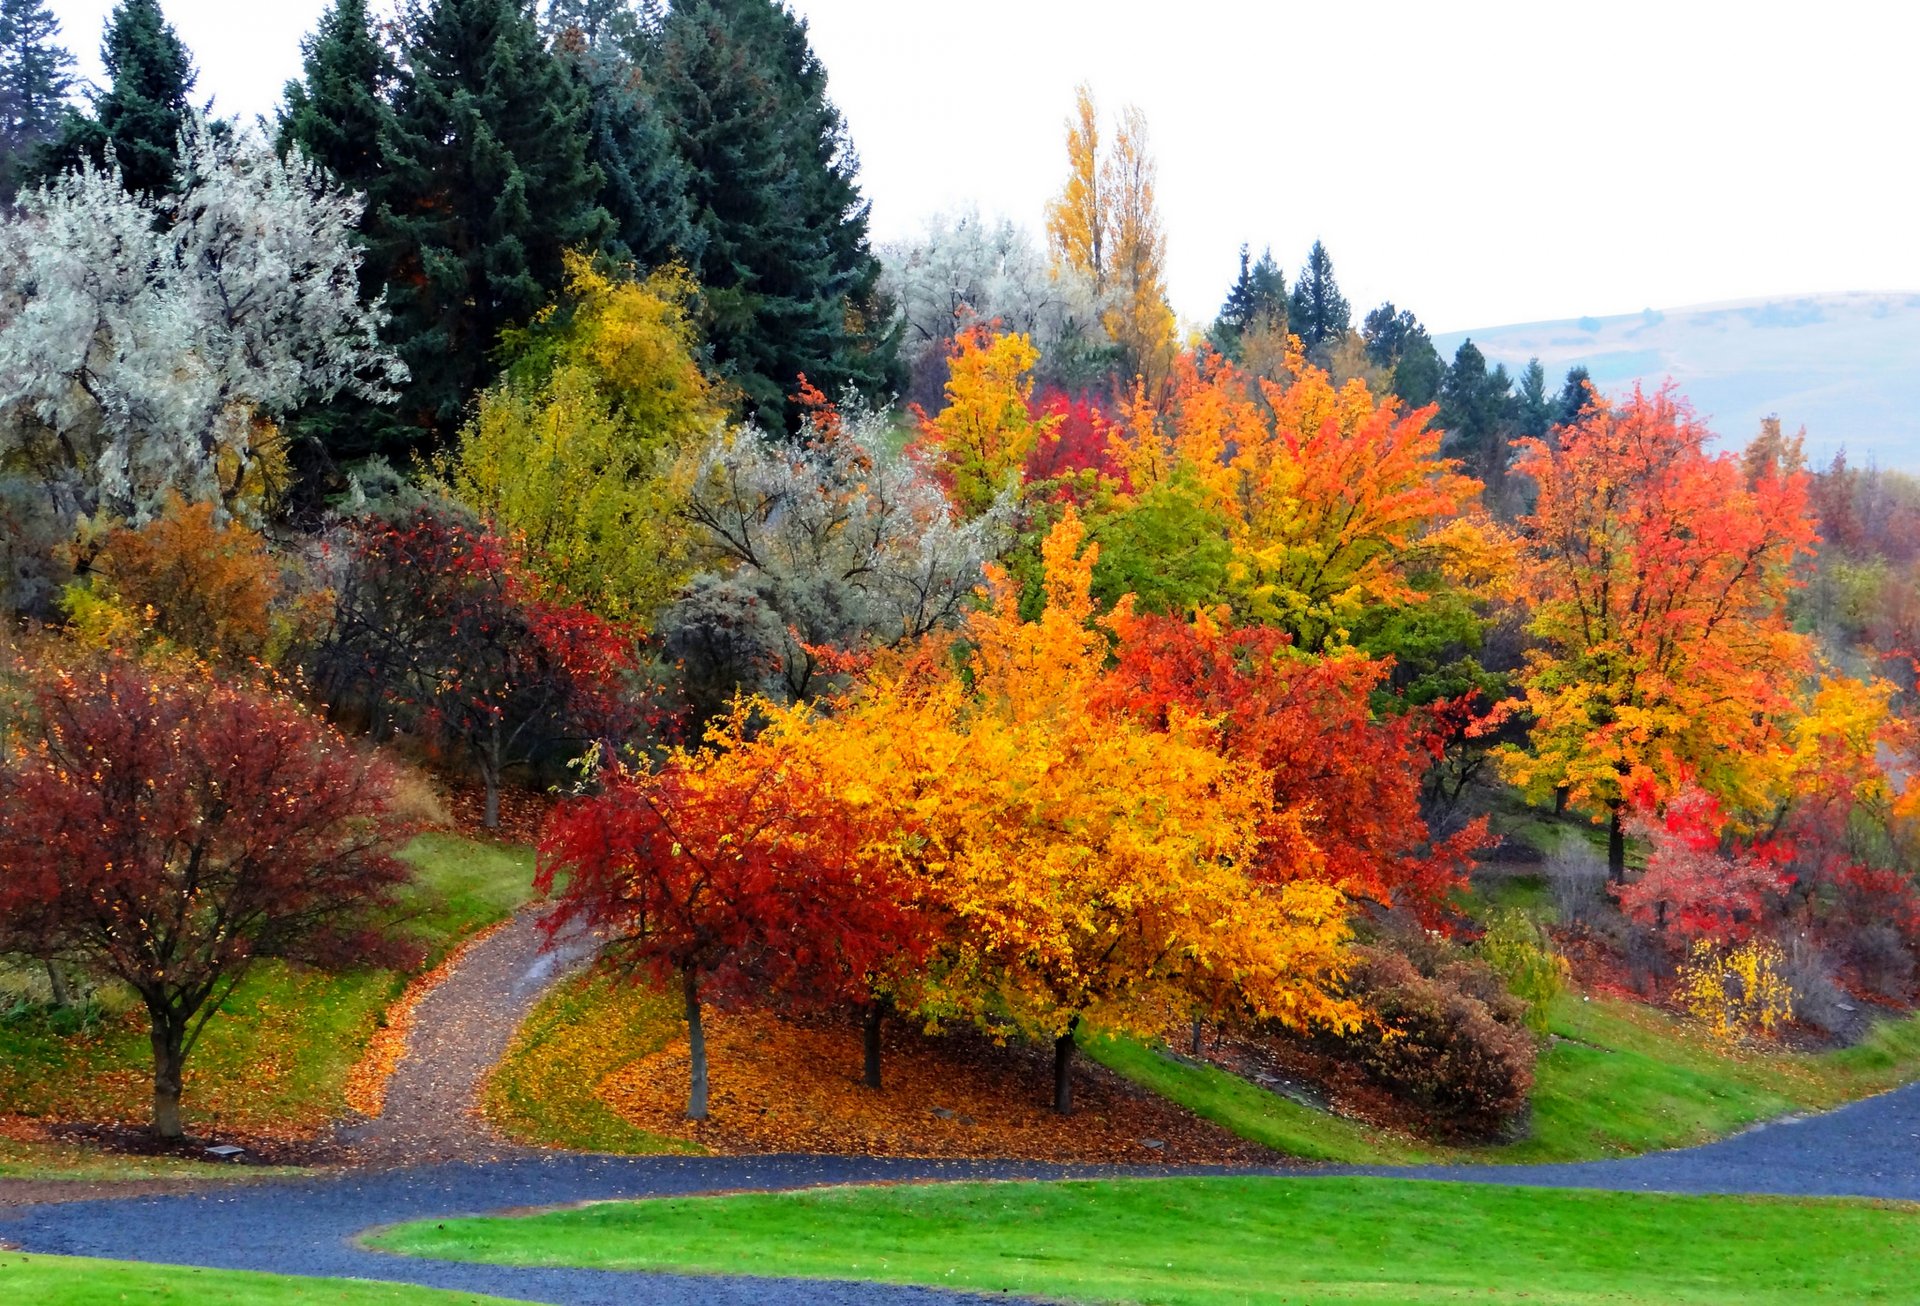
[784, 260]
[35, 76]
[337, 113]
[1475, 411]
[1318, 313]
[1256, 300]
[150, 75]
[1167, 547]
[576, 455]
[1523, 956]
[1214, 1241]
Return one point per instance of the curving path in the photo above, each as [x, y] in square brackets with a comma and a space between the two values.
[306, 1226]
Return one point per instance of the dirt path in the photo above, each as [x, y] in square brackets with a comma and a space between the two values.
[460, 1030]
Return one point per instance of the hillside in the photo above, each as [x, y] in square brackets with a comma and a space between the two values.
[1842, 365]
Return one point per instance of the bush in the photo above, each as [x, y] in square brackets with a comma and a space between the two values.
[1519, 951]
[1818, 999]
[1577, 877]
[1736, 990]
[1434, 1043]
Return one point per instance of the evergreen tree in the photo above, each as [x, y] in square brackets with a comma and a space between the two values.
[484, 183]
[1397, 341]
[1257, 298]
[1575, 397]
[35, 77]
[339, 114]
[1318, 312]
[1533, 410]
[1476, 410]
[790, 282]
[644, 180]
[150, 75]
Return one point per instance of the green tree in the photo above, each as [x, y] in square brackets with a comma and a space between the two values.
[338, 113]
[1396, 341]
[1576, 396]
[1257, 299]
[1476, 409]
[785, 263]
[1318, 313]
[150, 75]
[35, 76]
[1533, 409]
[484, 185]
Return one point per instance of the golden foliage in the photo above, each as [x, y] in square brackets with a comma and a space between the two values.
[982, 438]
[1737, 991]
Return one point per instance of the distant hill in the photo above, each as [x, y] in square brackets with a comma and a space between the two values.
[1846, 367]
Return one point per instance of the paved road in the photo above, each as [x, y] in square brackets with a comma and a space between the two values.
[306, 1226]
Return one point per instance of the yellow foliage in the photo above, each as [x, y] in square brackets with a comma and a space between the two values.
[1735, 992]
[982, 438]
[1077, 219]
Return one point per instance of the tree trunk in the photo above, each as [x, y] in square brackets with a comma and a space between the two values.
[1198, 1030]
[490, 773]
[1063, 1069]
[1616, 848]
[169, 1058]
[870, 1044]
[696, 1048]
[62, 996]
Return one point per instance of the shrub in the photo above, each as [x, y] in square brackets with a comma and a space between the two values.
[1519, 952]
[1735, 990]
[1818, 999]
[1577, 877]
[1435, 1044]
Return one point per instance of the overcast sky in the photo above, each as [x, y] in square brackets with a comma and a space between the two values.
[1478, 163]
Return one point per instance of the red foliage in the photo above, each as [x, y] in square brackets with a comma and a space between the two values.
[170, 831]
[1698, 882]
[1081, 439]
[1346, 786]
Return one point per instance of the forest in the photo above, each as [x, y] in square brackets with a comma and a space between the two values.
[937, 633]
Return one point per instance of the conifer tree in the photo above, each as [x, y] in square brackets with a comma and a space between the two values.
[338, 113]
[1257, 298]
[1318, 312]
[1476, 409]
[1575, 397]
[788, 274]
[140, 114]
[35, 76]
[484, 184]
[1532, 408]
[1396, 341]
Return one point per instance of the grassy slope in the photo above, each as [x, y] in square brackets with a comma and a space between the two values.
[67, 1281]
[1618, 1078]
[1208, 1241]
[276, 1058]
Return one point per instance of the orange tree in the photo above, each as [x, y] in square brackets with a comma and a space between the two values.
[1657, 575]
[1088, 867]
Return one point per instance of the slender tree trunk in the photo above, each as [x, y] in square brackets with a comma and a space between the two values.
[1198, 1029]
[696, 1048]
[490, 773]
[169, 1058]
[62, 996]
[1063, 1069]
[1616, 847]
[870, 1044]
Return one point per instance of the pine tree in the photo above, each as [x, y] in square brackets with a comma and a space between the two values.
[1476, 410]
[1257, 298]
[788, 274]
[644, 180]
[1318, 313]
[35, 77]
[1397, 341]
[1532, 409]
[1576, 396]
[150, 77]
[483, 185]
[338, 114]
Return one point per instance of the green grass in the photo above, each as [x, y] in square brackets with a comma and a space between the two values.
[1202, 1242]
[275, 1059]
[543, 1091]
[69, 1281]
[1617, 1078]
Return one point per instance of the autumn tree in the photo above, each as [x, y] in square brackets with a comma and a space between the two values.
[1657, 578]
[1079, 218]
[980, 441]
[1141, 321]
[732, 871]
[576, 456]
[171, 832]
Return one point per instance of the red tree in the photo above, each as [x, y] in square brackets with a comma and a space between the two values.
[1700, 882]
[1346, 786]
[170, 832]
[731, 871]
[1081, 439]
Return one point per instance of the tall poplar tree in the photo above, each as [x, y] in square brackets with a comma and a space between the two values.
[150, 75]
[483, 184]
[789, 278]
[35, 76]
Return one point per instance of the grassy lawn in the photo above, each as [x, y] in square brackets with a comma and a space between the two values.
[1208, 1241]
[275, 1059]
[1618, 1078]
[544, 1090]
[69, 1281]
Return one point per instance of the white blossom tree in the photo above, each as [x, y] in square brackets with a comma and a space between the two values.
[148, 346]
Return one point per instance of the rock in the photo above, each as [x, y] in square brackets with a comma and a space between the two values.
[226, 1151]
[944, 1113]
[1154, 1143]
[967, 1120]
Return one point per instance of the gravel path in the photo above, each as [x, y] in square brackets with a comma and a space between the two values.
[460, 1030]
[306, 1226]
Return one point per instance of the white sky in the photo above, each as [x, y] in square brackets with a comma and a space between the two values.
[1479, 163]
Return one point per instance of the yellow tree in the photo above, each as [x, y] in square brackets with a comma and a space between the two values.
[1091, 868]
[1140, 321]
[1078, 218]
[576, 456]
[980, 441]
